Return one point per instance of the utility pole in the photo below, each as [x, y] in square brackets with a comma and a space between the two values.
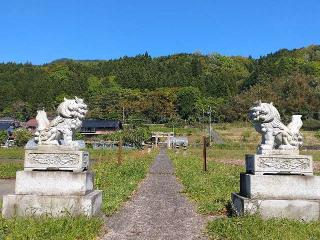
[123, 115]
[173, 129]
[203, 121]
[120, 151]
[204, 153]
[210, 127]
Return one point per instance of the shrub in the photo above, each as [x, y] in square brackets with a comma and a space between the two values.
[133, 136]
[311, 124]
[22, 136]
[79, 136]
[3, 136]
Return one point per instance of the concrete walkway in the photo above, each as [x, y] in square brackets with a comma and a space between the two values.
[157, 210]
[6, 186]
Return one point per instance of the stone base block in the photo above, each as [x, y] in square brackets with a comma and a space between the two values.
[53, 182]
[279, 186]
[55, 206]
[53, 159]
[305, 210]
[279, 164]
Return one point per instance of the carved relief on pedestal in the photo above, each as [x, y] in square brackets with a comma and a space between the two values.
[54, 159]
[284, 163]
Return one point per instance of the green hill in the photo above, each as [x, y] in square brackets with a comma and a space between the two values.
[168, 88]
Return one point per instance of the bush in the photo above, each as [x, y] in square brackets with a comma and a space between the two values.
[79, 136]
[22, 136]
[311, 124]
[3, 137]
[133, 136]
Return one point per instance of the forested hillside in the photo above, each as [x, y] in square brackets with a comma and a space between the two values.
[163, 89]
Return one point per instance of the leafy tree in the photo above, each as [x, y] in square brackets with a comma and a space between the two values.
[186, 101]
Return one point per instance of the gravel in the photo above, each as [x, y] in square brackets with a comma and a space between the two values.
[157, 210]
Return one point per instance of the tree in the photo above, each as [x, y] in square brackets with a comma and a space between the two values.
[186, 102]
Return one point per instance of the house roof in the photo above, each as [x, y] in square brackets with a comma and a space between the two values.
[8, 119]
[4, 126]
[94, 123]
[32, 123]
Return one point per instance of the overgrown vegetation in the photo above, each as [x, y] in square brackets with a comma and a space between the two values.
[210, 190]
[3, 136]
[117, 181]
[133, 136]
[9, 168]
[12, 153]
[167, 89]
[22, 136]
[65, 228]
[253, 227]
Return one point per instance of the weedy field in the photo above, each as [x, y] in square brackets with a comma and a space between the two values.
[211, 190]
[117, 182]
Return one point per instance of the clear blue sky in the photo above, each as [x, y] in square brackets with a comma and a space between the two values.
[44, 30]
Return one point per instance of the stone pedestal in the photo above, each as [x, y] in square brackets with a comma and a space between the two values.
[279, 164]
[54, 206]
[280, 186]
[305, 210]
[55, 182]
[55, 159]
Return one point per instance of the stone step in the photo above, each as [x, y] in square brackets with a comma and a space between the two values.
[54, 206]
[280, 186]
[53, 182]
[305, 210]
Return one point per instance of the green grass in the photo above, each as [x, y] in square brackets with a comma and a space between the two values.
[11, 160]
[253, 227]
[119, 181]
[12, 153]
[211, 190]
[8, 169]
[66, 228]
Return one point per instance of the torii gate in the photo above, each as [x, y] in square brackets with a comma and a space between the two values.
[168, 135]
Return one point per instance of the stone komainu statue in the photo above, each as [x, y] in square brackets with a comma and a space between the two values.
[69, 119]
[275, 135]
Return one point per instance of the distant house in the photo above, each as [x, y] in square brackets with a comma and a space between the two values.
[8, 124]
[8, 121]
[4, 126]
[32, 124]
[96, 127]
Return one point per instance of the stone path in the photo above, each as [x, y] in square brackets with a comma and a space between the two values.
[6, 186]
[157, 210]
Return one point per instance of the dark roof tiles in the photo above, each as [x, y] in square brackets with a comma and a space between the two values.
[93, 123]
